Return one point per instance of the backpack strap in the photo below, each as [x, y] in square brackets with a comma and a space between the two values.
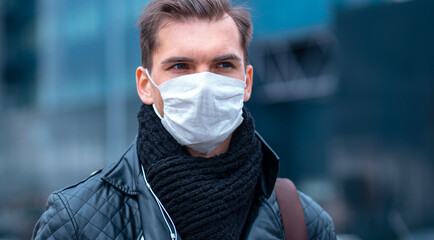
[291, 210]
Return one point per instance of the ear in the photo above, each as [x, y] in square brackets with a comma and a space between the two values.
[249, 83]
[144, 86]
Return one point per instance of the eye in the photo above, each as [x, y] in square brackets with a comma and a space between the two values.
[225, 65]
[179, 66]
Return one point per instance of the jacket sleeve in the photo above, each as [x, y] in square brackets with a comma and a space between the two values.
[319, 224]
[56, 222]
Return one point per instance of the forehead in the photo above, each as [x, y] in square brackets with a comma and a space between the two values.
[198, 35]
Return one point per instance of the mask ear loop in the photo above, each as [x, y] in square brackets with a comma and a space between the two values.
[153, 83]
[149, 77]
[156, 112]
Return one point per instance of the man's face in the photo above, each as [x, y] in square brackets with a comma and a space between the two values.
[191, 47]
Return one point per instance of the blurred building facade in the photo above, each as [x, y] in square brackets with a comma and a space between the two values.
[326, 97]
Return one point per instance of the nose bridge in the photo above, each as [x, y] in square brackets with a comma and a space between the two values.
[202, 67]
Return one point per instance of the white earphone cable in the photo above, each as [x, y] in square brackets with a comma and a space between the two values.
[173, 234]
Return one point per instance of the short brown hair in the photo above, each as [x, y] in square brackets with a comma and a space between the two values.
[179, 10]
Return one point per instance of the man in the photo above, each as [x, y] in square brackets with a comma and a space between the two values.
[197, 169]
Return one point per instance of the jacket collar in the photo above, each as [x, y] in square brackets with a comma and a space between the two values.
[124, 174]
[270, 167]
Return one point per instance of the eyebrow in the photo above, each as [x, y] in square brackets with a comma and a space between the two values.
[186, 59]
[227, 57]
[177, 60]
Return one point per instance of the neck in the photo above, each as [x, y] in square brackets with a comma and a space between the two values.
[220, 149]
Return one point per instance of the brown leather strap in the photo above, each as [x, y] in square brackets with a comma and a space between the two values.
[294, 224]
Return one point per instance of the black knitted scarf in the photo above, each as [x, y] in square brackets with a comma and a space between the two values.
[207, 198]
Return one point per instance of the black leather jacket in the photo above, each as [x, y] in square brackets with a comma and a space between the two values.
[115, 203]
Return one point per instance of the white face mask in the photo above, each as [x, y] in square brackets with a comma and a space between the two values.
[201, 110]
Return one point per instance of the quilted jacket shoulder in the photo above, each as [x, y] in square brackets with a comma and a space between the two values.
[318, 222]
[91, 209]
